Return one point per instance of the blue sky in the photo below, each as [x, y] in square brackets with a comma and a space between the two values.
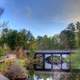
[40, 16]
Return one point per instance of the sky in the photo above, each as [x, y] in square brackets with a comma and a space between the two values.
[40, 16]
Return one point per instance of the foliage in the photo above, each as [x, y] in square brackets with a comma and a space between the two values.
[13, 38]
[3, 68]
[65, 40]
[3, 51]
[53, 59]
[68, 39]
[75, 59]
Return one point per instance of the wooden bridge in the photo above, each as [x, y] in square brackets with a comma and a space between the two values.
[53, 60]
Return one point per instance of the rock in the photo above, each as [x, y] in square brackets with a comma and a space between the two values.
[16, 71]
[3, 77]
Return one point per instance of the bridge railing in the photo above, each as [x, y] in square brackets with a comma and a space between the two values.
[53, 61]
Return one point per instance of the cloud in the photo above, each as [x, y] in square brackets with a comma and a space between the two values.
[44, 10]
[70, 11]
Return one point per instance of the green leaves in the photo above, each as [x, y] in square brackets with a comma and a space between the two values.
[75, 59]
[2, 52]
[13, 38]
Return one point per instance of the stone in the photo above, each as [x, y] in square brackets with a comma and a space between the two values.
[3, 77]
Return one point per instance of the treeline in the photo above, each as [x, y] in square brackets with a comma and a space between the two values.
[69, 38]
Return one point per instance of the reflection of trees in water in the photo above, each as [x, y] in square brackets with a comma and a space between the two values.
[53, 76]
[57, 59]
[53, 59]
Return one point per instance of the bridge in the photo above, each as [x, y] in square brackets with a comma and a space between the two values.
[50, 60]
[53, 60]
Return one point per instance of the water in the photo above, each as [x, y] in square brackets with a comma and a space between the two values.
[52, 75]
[39, 77]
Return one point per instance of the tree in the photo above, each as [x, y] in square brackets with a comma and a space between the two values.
[68, 37]
[43, 43]
[22, 39]
[71, 27]
[78, 25]
[13, 38]
[78, 34]
[56, 42]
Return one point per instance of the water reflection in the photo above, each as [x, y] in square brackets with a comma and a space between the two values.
[47, 64]
[53, 61]
[51, 64]
[56, 62]
[39, 77]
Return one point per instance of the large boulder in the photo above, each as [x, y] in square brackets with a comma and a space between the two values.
[16, 71]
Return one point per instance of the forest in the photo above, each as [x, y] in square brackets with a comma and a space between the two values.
[66, 40]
